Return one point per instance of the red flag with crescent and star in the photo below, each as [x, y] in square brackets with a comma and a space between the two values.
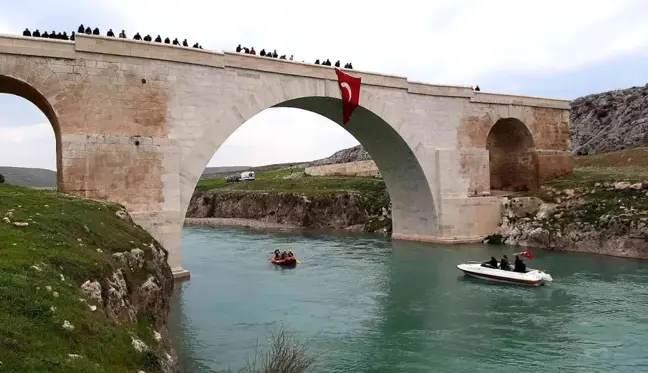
[350, 91]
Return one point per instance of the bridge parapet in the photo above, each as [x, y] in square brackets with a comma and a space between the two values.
[504, 99]
[30, 46]
[39, 47]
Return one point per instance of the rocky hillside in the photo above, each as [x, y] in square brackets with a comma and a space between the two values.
[602, 208]
[355, 154]
[289, 197]
[342, 210]
[610, 121]
[82, 288]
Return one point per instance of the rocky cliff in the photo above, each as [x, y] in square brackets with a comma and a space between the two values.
[610, 121]
[608, 218]
[369, 212]
[354, 154]
[82, 288]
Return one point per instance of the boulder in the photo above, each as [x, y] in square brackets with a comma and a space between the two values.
[522, 207]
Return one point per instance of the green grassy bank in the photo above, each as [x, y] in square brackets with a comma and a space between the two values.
[293, 180]
[50, 244]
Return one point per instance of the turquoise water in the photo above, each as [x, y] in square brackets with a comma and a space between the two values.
[368, 304]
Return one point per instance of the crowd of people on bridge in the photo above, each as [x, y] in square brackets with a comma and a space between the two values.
[148, 38]
[88, 31]
[274, 54]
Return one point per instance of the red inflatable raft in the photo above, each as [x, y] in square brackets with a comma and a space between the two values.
[288, 262]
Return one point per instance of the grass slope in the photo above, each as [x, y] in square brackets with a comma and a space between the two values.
[62, 238]
[283, 181]
[626, 165]
[593, 183]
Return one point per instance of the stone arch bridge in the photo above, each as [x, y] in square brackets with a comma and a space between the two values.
[136, 123]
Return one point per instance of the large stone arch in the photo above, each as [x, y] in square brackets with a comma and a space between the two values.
[513, 160]
[413, 206]
[19, 86]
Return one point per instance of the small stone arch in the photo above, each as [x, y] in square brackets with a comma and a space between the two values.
[17, 87]
[513, 161]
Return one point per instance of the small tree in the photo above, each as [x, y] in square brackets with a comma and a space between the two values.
[285, 355]
[1, 179]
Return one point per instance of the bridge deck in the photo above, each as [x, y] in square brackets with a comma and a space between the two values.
[52, 48]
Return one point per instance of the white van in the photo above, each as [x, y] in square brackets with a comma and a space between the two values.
[247, 176]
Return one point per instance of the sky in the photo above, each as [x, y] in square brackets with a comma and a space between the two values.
[560, 49]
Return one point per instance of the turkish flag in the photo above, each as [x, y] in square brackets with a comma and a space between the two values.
[350, 91]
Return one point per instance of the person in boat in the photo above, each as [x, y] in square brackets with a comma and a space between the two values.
[519, 265]
[290, 254]
[491, 263]
[504, 264]
[284, 255]
[277, 253]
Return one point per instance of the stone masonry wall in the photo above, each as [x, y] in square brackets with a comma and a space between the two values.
[353, 169]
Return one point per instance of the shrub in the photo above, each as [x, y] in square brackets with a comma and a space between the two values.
[286, 354]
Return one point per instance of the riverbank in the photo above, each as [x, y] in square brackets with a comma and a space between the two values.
[243, 223]
[289, 199]
[601, 208]
[82, 288]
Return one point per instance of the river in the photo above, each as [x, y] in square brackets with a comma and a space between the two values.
[367, 304]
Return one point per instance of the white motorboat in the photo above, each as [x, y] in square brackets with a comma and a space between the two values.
[532, 277]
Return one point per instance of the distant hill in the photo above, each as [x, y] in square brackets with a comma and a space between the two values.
[29, 177]
[354, 154]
